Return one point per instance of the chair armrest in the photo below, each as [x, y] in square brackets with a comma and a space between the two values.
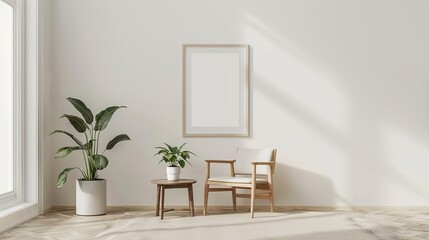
[230, 162]
[270, 172]
[220, 161]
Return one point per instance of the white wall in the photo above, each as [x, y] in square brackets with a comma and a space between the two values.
[341, 88]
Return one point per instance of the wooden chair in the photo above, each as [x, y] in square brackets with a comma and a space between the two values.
[259, 180]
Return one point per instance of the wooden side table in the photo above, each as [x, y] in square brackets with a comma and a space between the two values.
[163, 184]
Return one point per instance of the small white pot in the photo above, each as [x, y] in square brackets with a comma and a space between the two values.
[173, 173]
[91, 197]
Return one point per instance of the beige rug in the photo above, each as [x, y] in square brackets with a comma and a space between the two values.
[129, 224]
[124, 223]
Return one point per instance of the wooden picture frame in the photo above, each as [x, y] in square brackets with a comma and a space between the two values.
[215, 90]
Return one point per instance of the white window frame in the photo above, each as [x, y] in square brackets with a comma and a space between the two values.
[25, 202]
[15, 196]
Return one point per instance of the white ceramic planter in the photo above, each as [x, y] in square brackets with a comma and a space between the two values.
[173, 173]
[91, 197]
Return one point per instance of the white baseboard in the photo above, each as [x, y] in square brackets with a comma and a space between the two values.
[279, 208]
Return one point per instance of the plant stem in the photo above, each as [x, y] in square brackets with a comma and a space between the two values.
[86, 165]
[86, 136]
[93, 133]
[83, 173]
[92, 169]
[92, 138]
[98, 137]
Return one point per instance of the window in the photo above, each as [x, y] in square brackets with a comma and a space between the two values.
[6, 98]
[10, 95]
[20, 182]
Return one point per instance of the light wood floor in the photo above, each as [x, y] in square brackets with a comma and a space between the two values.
[222, 223]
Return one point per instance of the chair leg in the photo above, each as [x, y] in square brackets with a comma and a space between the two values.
[272, 201]
[252, 201]
[234, 199]
[206, 199]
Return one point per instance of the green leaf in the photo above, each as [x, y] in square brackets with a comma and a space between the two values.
[180, 148]
[163, 148]
[81, 107]
[103, 118]
[182, 163]
[88, 145]
[169, 147]
[114, 141]
[184, 155]
[188, 162]
[62, 152]
[190, 153]
[70, 135]
[160, 151]
[77, 122]
[100, 161]
[168, 156]
[62, 177]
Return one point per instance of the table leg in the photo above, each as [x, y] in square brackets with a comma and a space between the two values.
[191, 199]
[158, 192]
[162, 201]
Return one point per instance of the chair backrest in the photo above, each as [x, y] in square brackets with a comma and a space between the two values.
[245, 156]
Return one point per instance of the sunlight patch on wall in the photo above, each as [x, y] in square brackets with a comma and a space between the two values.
[409, 162]
[316, 109]
[303, 103]
[284, 66]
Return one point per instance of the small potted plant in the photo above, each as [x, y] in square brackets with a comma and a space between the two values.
[90, 189]
[176, 158]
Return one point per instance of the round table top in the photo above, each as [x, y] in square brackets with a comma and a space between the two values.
[173, 182]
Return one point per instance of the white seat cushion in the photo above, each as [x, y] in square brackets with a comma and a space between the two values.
[236, 179]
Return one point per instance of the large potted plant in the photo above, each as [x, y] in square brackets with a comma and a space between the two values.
[90, 189]
[175, 158]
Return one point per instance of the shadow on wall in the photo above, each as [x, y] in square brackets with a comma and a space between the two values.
[297, 187]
